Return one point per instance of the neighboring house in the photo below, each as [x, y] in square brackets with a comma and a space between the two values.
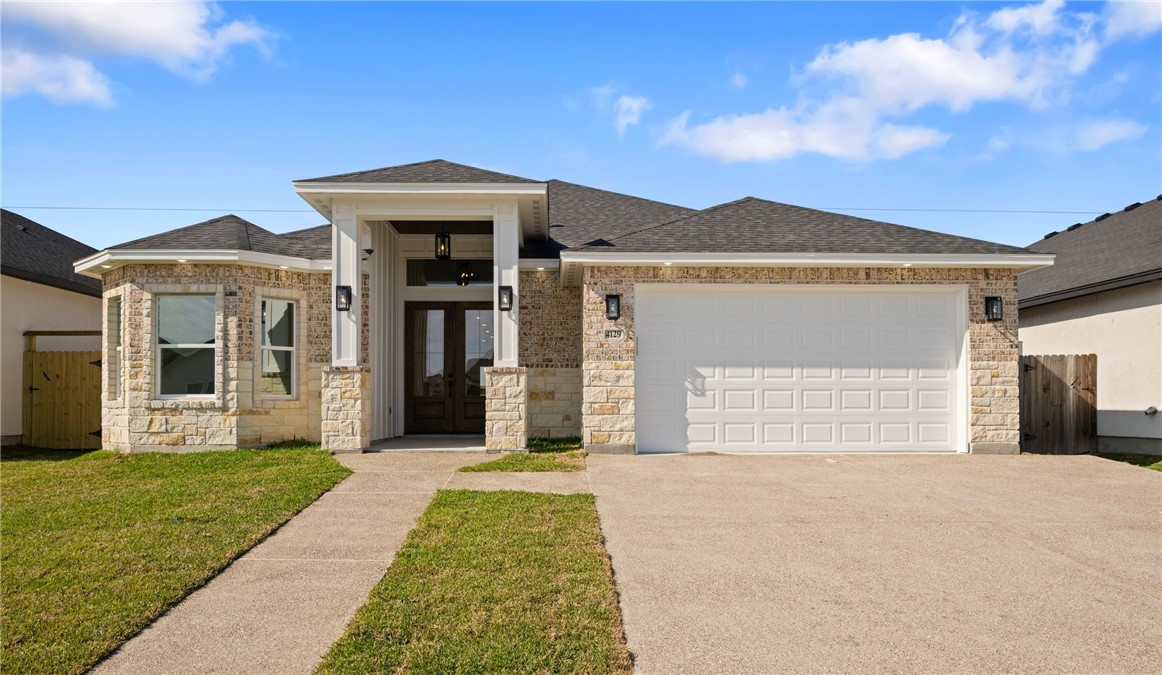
[751, 326]
[1104, 297]
[39, 291]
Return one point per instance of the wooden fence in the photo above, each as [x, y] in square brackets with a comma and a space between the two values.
[62, 396]
[1059, 404]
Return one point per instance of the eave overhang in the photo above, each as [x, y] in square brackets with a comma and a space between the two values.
[102, 262]
[573, 262]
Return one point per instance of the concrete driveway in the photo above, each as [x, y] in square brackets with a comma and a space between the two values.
[751, 564]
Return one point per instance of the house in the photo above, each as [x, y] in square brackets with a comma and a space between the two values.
[1104, 297]
[39, 291]
[443, 298]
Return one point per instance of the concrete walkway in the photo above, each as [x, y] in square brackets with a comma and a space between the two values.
[934, 564]
[279, 607]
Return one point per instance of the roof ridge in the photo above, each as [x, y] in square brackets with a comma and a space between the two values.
[620, 194]
[674, 220]
[178, 229]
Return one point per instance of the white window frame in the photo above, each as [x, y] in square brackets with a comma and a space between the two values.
[293, 349]
[159, 348]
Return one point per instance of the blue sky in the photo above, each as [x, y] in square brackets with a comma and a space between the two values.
[876, 105]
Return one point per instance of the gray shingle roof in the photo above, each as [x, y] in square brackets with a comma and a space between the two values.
[431, 171]
[33, 252]
[582, 217]
[230, 232]
[1117, 249]
[753, 224]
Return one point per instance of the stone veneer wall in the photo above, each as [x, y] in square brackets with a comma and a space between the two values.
[550, 347]
[346, 414]
[237, 414]
[608, 392]
[506, 415]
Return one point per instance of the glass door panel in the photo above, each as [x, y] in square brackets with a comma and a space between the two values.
[477, 349]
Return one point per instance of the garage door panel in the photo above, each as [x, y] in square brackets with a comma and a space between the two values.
[770, 371]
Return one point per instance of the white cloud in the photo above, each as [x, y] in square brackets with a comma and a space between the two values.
[738, 81]
[629, 111]
[1096, 134]
[995, 147]
[1041, 19]
[625, 109]
[856, 95]
[1136, 19]
[187, 37]
[62, 79]
[777, 134]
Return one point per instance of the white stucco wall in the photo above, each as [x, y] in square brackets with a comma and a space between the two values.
[1124, 328]
[29, 306]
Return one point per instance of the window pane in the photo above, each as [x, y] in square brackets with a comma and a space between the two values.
[428, 356]
[432, 272]
[185, 319]
[115, 321]
[477, 348]
[276, 372]
[187, 371]
[278, 323]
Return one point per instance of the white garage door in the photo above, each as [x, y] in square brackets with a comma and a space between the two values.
[798, 370]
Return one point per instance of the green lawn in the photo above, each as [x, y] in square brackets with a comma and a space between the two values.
[96, 545]
[1149, 461]
[545, 454]
[492, 582]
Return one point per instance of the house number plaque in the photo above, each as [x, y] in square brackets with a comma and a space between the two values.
[614, 336]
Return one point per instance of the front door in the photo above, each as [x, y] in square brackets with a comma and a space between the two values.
[448, 346]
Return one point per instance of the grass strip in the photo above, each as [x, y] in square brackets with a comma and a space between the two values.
[1148, 461]
[492, 582]
[96, 545]
[545, 454]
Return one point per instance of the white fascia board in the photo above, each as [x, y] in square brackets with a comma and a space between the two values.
[538, 263]
[356, 188]
[1022, 261]
[96, 264]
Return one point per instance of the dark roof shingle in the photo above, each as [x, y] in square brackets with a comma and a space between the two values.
[431, 171]
[753, 224]
[230, 232]
[33, 252]
[1122, 247]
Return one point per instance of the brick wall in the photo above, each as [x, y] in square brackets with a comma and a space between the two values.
[608, 376]
[550, 347]
[238, 414]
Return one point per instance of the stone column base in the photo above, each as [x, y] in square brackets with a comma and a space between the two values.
[346, 412]
[506, 409]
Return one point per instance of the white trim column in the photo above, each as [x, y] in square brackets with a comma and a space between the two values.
[346, 266]
[506, 238]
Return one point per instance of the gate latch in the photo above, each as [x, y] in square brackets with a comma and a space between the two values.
[1028, 436]
[1028, 367]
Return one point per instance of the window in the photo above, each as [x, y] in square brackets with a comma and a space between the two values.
[186, 328]
[431, 272]
[113, 348]
[278, 348]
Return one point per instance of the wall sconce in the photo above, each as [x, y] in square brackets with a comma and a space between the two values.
[342, 298]
[443, 246]
[465, 275]
[504, 298]
[613, 307]
[994, 308]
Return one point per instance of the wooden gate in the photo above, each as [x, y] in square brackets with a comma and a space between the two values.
[1059, 404]
[62, 400]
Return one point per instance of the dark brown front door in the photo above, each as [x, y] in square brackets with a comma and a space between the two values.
[448, 345]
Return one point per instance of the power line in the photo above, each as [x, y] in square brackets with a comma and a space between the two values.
[822, 208]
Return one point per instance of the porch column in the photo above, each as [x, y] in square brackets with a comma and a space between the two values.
[505, 272]
[345, 267]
